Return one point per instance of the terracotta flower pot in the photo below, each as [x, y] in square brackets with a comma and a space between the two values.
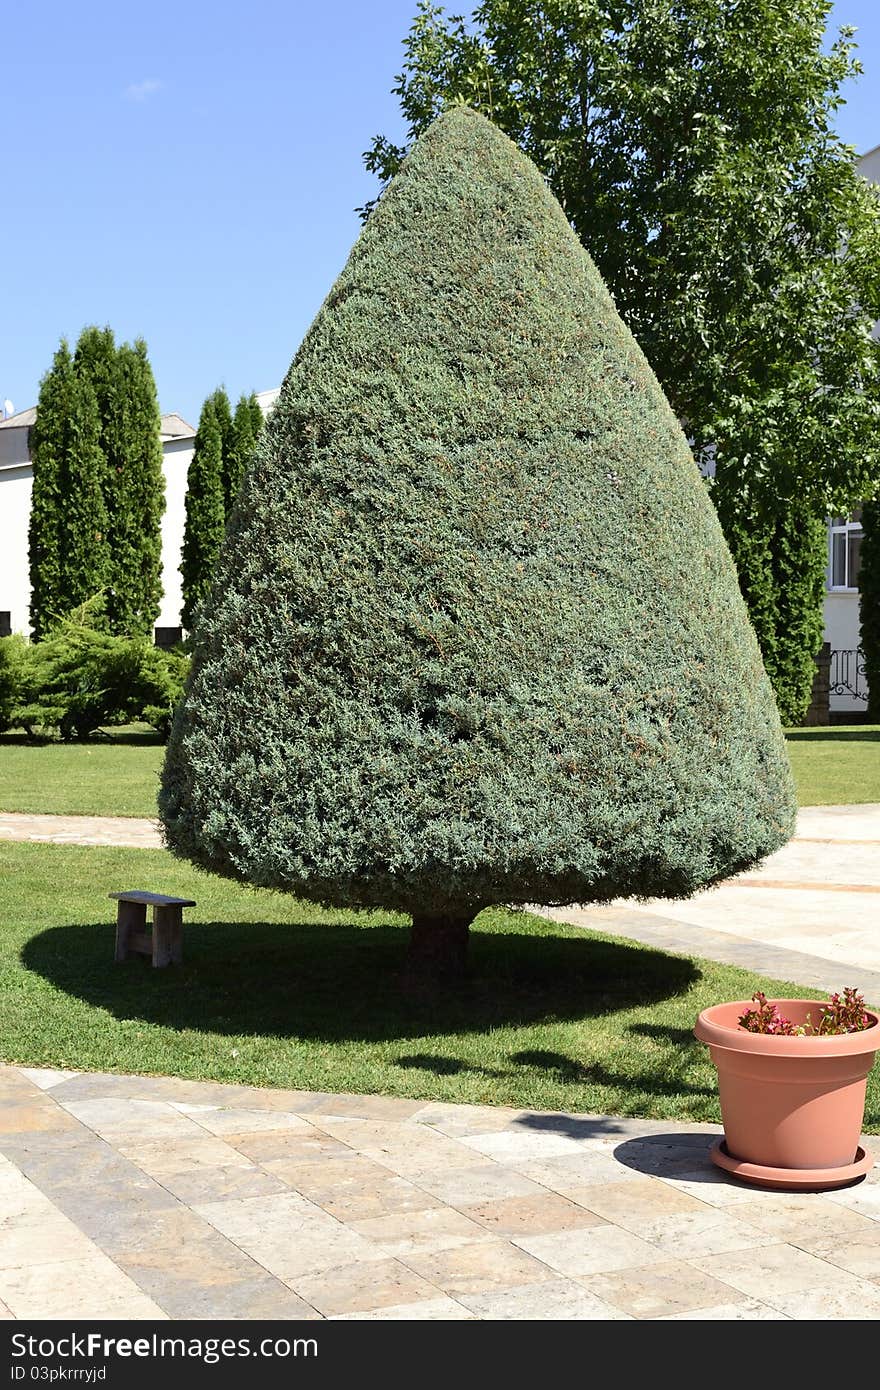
[792, 1108]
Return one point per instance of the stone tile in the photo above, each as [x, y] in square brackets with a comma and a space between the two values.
[5, 1314]
[858, 1252]
[831, 1301]
[710, 1186]
[805, 1219]
[863, 1198]
[20, 1199]
[458, 1120]
[262, 1297]
[532, 1215]
[710, 1231]
[631, 1204]
[657, 1290]
[118, 1118]
[36, 1114]
[219, 1184]
[362, 1288]
[522, 1145]
[557, 1300]
[297, 1146]
[426, 1310]
[120, 1086]
[217, 1121]
[767, 1271]
[160, 1159]
[438, 1228]
[89, 1164]
[390, 1196]
[45, 1078]
[572, 1173]
[402, 1149]
[749, 1310]
[14, 1083]
[478, 1268]
[467, 1187]
[328, 1176]
[90, 1287]
[590, 1251]
[41, 1237]
[288, 1235]
[394, 1108]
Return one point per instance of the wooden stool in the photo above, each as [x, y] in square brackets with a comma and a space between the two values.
[164, 943]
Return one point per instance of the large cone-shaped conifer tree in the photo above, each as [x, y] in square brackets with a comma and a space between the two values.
[475, 635]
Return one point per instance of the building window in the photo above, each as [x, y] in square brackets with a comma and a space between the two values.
[845, 546]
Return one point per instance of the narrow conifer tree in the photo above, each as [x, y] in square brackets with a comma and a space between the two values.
[85, 547]
[246, 425]
[475, 635]
[136, 496]
[869, 604]
[133, 482]
[205, 511]
[48, 447]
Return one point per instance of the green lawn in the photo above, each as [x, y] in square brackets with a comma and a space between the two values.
[836, 766]
[282, 993]
[116, 777]
[119, 777]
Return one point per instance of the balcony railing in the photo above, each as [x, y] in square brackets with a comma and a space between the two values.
[847, 676]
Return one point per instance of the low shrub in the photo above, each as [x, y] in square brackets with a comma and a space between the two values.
[81, 678]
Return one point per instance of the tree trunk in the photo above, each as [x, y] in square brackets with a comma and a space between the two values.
[438, 945]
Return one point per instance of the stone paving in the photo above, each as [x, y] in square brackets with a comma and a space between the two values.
[149, 1197]
[810, 914]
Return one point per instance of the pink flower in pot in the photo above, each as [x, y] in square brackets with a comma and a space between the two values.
[791, 1082]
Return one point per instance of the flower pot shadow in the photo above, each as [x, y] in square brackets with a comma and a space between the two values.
[674, 1154]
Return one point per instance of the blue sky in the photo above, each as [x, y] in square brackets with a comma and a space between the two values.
[188, 172]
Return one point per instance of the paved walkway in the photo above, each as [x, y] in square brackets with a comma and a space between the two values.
[811, 914]
[147, 1197]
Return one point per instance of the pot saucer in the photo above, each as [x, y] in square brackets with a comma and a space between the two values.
[793, 1179]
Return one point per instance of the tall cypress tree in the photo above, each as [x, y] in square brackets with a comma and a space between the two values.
[869, 603]
[246, 425]
[85, 546]
[205, 510]
[781, 561]
[48, 447]
[68, 530]
[136, 496]
[133, 482]
[475, 637]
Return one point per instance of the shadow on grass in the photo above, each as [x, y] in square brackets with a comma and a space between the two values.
[339, 981]
[835, 733]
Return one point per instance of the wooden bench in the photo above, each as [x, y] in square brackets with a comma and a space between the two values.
[164, 943]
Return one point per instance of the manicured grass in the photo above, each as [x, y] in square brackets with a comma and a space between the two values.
[278, 992]
[836, 766]
[119, 777]
[116, 777]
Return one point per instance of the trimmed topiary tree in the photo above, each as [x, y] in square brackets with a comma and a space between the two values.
[475, 636]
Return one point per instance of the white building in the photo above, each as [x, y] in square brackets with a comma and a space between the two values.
[16, 477]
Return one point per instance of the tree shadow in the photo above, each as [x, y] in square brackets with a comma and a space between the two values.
[835, 733]
[341, 981]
